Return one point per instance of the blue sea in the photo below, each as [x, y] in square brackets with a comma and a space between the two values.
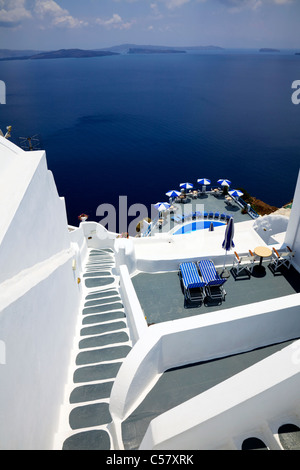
[139, 125]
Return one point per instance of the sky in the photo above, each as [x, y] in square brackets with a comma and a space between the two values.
[96, 24]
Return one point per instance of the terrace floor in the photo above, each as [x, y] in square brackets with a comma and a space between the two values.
[183, 383]
[203, 203]
[162, 298]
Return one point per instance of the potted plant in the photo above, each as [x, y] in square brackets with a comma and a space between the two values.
[83, 217]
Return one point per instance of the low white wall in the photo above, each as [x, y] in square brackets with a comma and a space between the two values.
[37, 326]
[240, 405]
[125, 254]
[79, 245]
[134, 313]
[97, 236]
[201, 338]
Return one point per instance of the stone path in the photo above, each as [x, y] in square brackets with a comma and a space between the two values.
[104, 343]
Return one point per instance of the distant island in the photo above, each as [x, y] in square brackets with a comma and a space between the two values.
[126, 48]
[62, 54]
[7, 54]
[69, 53]
[155, 51]
[268, 49]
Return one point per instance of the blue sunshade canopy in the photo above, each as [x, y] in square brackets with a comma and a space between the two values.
[162, 206]
[204, 181]
[235, 193]
[186, 185]
[224, 182]
[173, 193]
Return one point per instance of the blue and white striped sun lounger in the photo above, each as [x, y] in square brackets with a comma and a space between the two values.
[213, 282]
[191, 280]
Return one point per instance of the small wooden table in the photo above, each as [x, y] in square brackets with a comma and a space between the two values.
[262, 252]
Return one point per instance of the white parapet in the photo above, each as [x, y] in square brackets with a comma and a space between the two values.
[239, 407]
[196, 339]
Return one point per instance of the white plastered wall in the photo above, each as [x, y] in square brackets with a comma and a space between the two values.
[292, 237]
[39, 299]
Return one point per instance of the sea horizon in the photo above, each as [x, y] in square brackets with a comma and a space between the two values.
[139, 125]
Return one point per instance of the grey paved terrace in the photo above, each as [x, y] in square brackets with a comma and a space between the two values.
[180, 384]
[162, 298]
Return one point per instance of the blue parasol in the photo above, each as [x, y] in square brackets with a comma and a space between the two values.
[162, 206]
[186, 185]
[224, 182]
[235, 193]
[228, 243]
[204, 181]
[173, 193]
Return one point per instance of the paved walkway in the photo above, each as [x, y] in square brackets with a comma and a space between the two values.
[104, 343]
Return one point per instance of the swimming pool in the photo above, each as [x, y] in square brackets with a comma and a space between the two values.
[199, 225]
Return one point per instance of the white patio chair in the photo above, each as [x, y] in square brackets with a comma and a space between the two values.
[244, 262]
[282, 258]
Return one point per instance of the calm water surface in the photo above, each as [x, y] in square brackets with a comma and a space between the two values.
[139, 125]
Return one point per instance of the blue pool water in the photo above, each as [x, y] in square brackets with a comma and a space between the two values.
[200, 225]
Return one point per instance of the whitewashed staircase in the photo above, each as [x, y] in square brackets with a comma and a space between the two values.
[102, 346]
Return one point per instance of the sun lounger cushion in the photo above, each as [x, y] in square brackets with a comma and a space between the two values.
[209, 273]
[190, 276]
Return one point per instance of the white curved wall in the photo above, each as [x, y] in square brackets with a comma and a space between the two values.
[243, 404]
[200, 338]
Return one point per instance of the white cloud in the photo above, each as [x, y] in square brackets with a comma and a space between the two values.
[13, 12]
[235, 6]
[172, 4]
[115, 22]
[49, 10]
